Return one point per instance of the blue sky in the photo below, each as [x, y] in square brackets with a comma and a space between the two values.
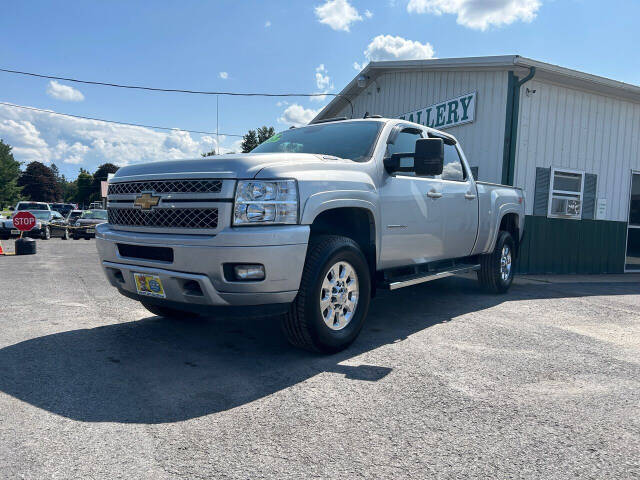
[266, 46]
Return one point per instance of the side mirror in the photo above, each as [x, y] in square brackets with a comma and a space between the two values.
[429, 157]
[11, 209]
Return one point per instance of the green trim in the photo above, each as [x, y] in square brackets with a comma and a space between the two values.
[554, 245]
[506, 149]
[511, 125]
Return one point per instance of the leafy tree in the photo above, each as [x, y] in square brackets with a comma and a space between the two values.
[209, 154]
[265, 133]
[84, 186]
[100, 175]
[39, 183]
[9, 174]
[249, 141]
[69, 190]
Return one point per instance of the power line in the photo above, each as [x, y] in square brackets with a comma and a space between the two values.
[177, 90]
[114, 121]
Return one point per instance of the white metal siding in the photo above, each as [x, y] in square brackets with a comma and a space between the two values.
[482, 140]
[564, 127]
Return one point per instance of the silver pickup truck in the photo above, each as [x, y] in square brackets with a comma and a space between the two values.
[308, 225]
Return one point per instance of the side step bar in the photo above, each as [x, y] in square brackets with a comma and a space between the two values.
[413, 280]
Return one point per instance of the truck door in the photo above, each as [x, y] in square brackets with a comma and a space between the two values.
[412, 222]
[459, 205]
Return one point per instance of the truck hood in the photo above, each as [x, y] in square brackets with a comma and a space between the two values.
[243, 165]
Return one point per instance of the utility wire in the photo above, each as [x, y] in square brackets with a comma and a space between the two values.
[178, 90]
[114, 121]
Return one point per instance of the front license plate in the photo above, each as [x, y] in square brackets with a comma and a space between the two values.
[149, 285]
[91, 230]
[15, 232]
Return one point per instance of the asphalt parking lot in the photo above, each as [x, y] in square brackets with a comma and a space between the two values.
[445, 381]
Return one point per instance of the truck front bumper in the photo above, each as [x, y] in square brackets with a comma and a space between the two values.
[201, 259]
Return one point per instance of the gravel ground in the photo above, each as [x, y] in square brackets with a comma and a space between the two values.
[444, 381]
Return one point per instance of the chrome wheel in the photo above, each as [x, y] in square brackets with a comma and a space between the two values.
[505, 263]
[339, 295]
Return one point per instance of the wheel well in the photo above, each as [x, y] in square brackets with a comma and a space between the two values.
[355, 223]
[509, 223]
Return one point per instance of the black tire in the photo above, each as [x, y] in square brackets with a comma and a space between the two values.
[303, 324]
[167, 312]
[490, 273]
[46, 234]
[87, 238]
[75, 237]
[65, 235]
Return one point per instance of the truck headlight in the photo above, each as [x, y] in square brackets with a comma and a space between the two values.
[266, 202]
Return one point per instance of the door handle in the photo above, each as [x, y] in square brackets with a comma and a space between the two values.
[469, 196]
[433, 194]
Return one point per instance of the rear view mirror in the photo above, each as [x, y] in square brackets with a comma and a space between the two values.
[429, 157]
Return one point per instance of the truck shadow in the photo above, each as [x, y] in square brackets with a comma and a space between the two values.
[156, 370]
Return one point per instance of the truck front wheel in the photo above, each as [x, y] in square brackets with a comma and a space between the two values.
[496, 268]
[332, 303]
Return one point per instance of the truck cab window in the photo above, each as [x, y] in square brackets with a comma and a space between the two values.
[405, 143]
[452, 169]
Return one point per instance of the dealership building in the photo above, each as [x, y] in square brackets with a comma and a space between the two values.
[570, 140]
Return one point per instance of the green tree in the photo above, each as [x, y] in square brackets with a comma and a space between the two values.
[39, 183]
[265, 133]
[9, 174]
[101, 175]
[249, 141]
[84, 186]
[69, 190]
[209, 154]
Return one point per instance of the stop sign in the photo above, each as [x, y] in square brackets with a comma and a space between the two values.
[24, 221]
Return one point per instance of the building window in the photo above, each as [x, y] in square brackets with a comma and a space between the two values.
[565, 194]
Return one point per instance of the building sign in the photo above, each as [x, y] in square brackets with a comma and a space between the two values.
[447, 114]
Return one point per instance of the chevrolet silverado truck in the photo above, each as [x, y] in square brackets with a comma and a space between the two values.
[308, 225]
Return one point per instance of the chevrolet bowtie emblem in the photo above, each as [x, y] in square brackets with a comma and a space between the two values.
[146, 201]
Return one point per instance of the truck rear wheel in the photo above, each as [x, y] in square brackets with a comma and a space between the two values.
[167, 312]
[496, 268]
[332, 303]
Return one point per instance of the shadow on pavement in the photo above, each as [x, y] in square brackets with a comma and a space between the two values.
[155, 370]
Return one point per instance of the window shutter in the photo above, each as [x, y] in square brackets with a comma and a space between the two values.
[589, 196]
[474, 172]
[541, 199]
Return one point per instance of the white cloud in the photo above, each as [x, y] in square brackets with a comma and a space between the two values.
[69, 142]
[338, 14]
[359, 66]
[64, 92]
[267, 24]
[387, 47]
[368, 13]
[478, 14]
[297, 115]
[223, 75]
[323, 81]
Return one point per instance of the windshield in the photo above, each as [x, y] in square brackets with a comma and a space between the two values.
[32, 206]
[351, 140]
[41, 214]
[95, 214]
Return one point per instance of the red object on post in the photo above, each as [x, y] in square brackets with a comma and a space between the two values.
[24, 221]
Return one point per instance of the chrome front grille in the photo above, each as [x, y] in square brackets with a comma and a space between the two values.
[166, 186]
[191, 218]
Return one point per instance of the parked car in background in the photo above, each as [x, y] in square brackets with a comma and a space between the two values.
[63, 208]
[72, 216]
[30, 206]
[96, 206]
[49, 224]
[85, 226]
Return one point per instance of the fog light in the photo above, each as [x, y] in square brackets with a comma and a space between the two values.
[249, 272]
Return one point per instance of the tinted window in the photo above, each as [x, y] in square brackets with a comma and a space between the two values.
[351, 140]
[452, 169]
[405, 143]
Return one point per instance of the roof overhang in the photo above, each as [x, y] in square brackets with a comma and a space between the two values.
[521, 66]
